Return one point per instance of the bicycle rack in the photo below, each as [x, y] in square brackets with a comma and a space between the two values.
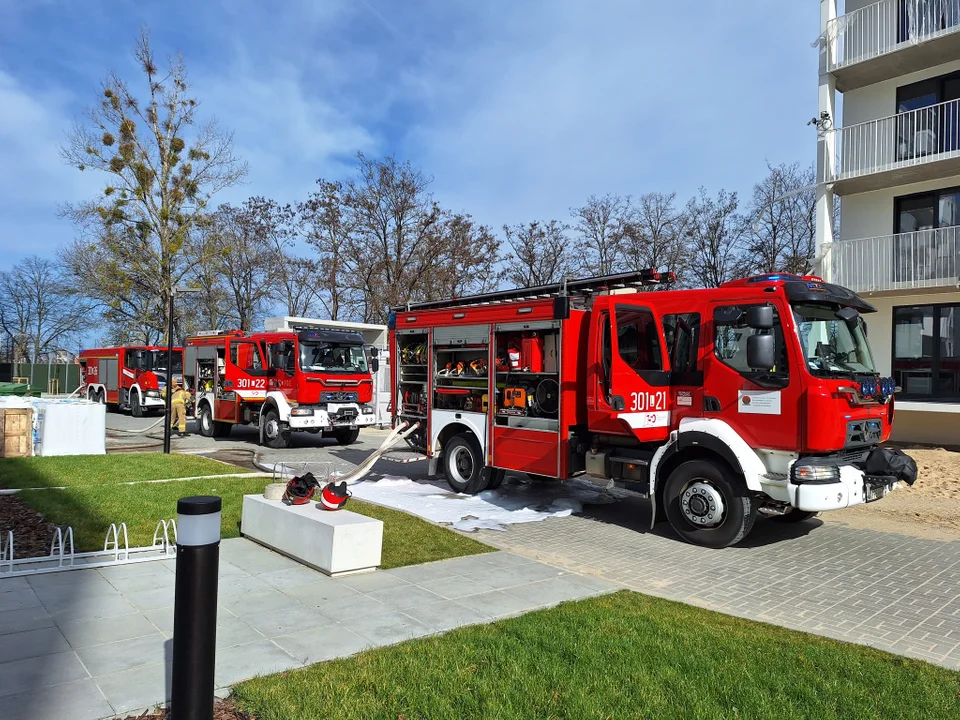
[116, 551]
[113, 545]
[6, 552]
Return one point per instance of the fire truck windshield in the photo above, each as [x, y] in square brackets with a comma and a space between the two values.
[157, 360]
[831, 347]
[332, 357]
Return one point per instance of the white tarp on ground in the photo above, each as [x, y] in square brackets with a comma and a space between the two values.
[513, 502]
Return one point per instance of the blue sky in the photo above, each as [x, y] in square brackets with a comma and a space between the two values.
[519, 110]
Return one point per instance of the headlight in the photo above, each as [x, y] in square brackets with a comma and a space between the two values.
[815, 473]
[300, 411]
[367, 410]
[153, 393]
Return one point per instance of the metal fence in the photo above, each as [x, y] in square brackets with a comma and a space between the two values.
[926, 258]
[909, 138]
[887, 25]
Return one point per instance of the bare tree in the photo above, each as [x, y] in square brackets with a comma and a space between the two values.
[600, 225]
[393, 241]
[37, 311]
[783, 219]
[539, 253]
[240, 243]
[718, 239]
[325, 225]
[163, 169]
[128, 307]
[655, 235]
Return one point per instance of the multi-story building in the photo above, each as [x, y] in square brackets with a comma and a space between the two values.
[891, 157]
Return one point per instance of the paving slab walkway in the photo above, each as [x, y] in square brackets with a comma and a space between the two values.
[891, 591]
[89, 644]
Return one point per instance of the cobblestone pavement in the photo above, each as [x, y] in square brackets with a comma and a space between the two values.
[890, 591]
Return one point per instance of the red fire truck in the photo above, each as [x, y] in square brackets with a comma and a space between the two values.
[129, 377]
[760, 396]
[317, 380]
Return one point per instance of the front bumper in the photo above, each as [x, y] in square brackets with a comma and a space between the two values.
[152, 402]
[853, 488]
[334, 417]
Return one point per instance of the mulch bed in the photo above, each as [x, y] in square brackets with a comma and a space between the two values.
[32, 535]
[222, 710]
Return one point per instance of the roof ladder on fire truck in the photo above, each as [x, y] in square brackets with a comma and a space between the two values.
[567, 288]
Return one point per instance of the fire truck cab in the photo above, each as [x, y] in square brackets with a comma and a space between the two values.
[314, 380]
[760, 396]
[129, 378]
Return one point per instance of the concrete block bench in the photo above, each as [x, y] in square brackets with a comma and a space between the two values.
[336, 543]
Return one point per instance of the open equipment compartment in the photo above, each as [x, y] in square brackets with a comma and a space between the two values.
[413, 370]
[462, 362]
[527, 417]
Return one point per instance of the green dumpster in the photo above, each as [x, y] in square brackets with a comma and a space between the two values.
[7, 388]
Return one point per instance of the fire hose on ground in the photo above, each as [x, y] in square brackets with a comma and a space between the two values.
[401, 432]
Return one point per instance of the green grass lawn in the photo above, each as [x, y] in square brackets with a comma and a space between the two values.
[77, 470]
[90, 507]
[620, 656]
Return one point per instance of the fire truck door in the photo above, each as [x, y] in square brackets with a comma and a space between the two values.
[683, 336]
[761, 405]
[640, 386]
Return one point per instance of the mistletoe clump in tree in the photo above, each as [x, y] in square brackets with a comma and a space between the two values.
[163, 166]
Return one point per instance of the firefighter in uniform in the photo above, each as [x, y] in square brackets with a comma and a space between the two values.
[178, 408]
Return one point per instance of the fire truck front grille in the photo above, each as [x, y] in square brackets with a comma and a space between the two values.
[336, 396]
[863, 432]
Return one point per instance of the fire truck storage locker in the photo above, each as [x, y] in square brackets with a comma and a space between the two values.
[108, 373]
[526, 427]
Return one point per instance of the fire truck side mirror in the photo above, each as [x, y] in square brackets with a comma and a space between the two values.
[374, 364]
[760, 317]
[761, 352]
[850, 316]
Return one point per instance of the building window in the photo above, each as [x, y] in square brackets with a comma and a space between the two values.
[926, 351]
[919, 19]
[928, 236]
[928, 117]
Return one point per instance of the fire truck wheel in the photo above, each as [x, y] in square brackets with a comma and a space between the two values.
[496, 478]
[274, 435]
[136, 409]
[706, 506]
[463, 465]
[205, 420]
[794, 516]
[346, 437]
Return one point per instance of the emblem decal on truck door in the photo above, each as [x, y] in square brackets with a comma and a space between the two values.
[758, 402]
[640, 420]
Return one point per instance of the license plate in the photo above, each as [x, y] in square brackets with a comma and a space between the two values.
[875, 492]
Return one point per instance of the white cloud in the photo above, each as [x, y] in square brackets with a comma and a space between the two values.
[549, 103]
[33, 178]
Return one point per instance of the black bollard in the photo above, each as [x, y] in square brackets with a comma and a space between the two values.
[195, 608]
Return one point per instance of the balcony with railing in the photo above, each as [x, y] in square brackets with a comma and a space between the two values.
[891, 38]
[913, 146]
[907, 261]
